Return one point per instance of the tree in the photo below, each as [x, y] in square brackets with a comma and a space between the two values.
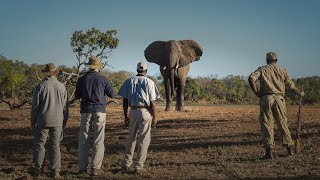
[117, 78]
[16, 83]
[217, 89]
[236, 86]
[311, 87]
[85, 44]
[192, 89]
[93, 43]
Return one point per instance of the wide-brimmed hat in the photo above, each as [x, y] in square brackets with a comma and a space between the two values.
[272, 56]
[50, 67]
[142, 66]
[94, 63]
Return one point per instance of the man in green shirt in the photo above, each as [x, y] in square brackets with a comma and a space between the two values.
[273, 80]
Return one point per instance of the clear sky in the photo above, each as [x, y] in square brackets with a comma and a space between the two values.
[235, 34]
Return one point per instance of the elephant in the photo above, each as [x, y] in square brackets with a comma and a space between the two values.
[174, 58]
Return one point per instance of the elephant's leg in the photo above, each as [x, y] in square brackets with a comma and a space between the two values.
[168, 95]
[182, 77]
[180, 96]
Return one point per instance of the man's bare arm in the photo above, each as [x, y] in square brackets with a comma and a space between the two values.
[296, 91]
[253, 86]
[153, 113]
[125, 106]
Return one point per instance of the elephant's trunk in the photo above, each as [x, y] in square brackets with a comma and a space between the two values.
[173, 63]
[171, 80]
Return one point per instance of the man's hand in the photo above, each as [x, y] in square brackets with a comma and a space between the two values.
[153, 113]
[64, 124]
[126, 121]
[125, 106]
[302, 94]
[258, 94]
[154, 123]
[33, 124]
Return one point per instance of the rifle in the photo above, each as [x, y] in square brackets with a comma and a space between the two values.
[298, 143]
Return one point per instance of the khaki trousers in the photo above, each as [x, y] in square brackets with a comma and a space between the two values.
[139, 135]
[94, 122]
[273, 109]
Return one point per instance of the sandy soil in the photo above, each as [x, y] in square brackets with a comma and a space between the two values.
[204, 142]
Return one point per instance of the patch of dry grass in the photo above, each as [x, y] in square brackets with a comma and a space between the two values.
[205, 142]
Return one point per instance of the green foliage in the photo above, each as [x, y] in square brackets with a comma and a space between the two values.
[236, 86]
[14, 80]
[93, 43]
[13, 76]
[117, 78]
[311, 87]
[231, 89]
[192, 89]
[217, 89]
[17, 81]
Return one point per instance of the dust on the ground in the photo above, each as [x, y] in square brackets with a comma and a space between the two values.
[203, 142]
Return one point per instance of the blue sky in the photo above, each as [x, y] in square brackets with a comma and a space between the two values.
[235, 34]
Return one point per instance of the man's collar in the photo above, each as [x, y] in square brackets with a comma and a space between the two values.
[50, 78]
[92, 71]
[141, 74]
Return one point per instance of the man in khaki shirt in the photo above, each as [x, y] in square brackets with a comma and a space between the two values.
[273, 80]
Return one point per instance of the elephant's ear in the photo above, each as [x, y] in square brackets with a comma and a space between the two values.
[155, 53]
[190, 51]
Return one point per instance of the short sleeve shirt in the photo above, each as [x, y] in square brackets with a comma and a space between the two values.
[273, 79]
[139, 90]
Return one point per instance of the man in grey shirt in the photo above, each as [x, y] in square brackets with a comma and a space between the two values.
[49, 114]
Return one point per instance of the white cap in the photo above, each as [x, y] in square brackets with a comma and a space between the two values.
[142, 66]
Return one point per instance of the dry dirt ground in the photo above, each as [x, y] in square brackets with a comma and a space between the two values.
[204, 142]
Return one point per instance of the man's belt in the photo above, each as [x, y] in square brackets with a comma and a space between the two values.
[139, 107]
[266, 94]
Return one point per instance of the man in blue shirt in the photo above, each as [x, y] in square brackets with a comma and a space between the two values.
[49, 114]
[140, 93]
[91, 89]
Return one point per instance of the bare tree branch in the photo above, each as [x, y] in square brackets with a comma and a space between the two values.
[68, 76]
[101, 52]
[16, 106]
[37, 75]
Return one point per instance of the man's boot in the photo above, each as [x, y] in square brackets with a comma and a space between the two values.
[267, 155]
[35, 171]
[290, 150]
[55, 173]
[96, 172]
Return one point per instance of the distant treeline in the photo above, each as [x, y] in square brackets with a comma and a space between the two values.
[17, 81]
